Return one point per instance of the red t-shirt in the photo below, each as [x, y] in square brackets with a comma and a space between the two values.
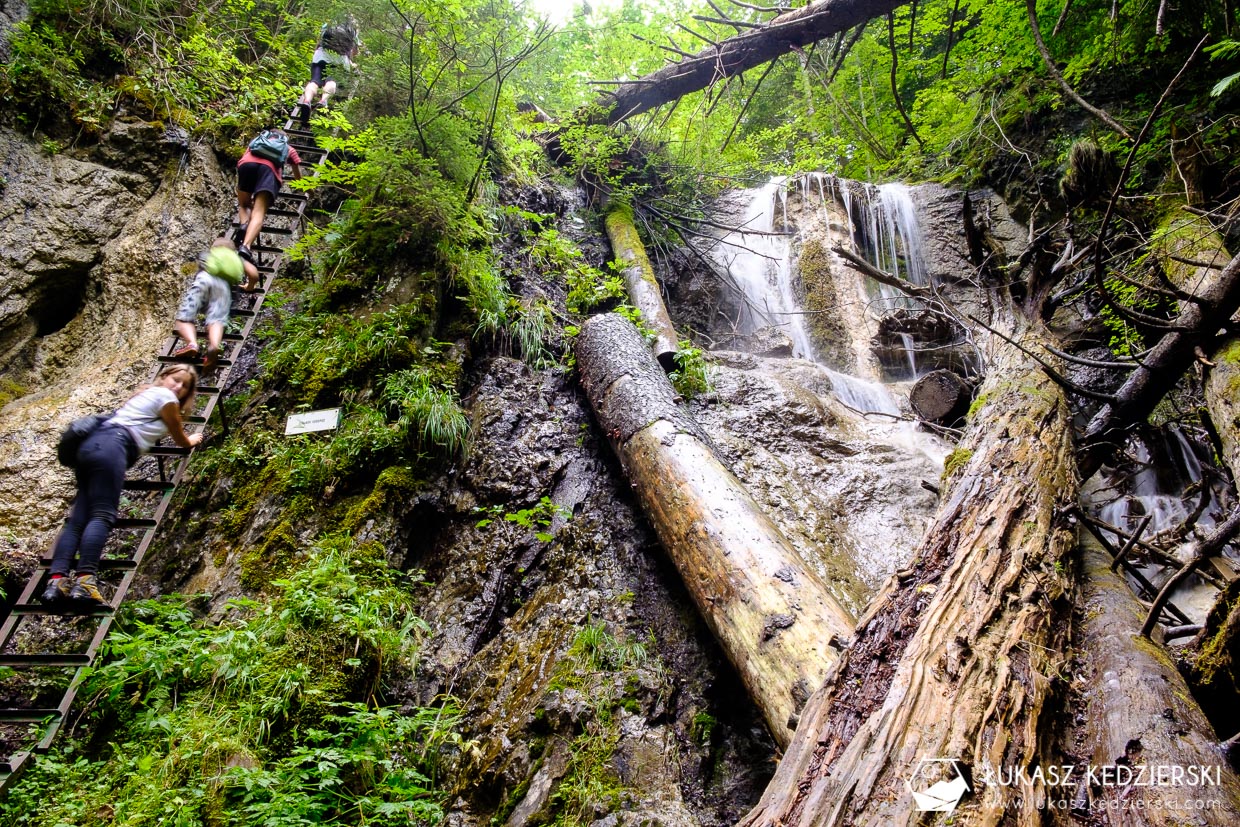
[251, 158]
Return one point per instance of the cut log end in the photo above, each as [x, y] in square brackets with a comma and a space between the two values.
[941, 397]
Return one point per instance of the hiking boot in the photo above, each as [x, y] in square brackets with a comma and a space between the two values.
[188, 352]
[246, 253]
[213, 356]
[57, 591]
[238, 235]
[86, 591]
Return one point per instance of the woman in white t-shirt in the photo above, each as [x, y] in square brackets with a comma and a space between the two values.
[150, 414]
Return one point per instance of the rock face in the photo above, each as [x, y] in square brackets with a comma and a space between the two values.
[93, 260]
[847, 493]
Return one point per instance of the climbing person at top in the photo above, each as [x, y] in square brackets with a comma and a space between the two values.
[337, 47]
[219, 270]
[259, 178]
[152, 413]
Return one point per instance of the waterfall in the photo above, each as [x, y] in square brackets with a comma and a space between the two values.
[758, 258]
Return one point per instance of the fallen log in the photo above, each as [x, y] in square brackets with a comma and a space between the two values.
[941, 397]
[789, 32]
[1196, 328]
[643, 287]
[1140, 714]
[773, 617]
[957, 656]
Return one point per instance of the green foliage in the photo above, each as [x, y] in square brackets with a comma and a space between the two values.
[538, 517]
[691, 376]
[214, 65]
[265, 718]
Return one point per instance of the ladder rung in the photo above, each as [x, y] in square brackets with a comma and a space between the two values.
[135, 522]
[27, 716]
[289, 195]
[219, 363]
[279, 213]
[44, 660]
[303, 133]
[272, 230]
[267, 248]
[104, 565]
[148, 485]
[65, 609]
[245, 314]
[168, 451]
[194, 419]
[209, 390]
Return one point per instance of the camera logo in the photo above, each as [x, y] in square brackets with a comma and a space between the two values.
[937, 784]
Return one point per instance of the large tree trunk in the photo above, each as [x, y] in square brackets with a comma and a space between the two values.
[1139, 713]
[958, 655]
[643, 287]
[735, 55]
[775, 620]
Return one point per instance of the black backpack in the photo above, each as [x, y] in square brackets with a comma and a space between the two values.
[74, 434]
[340, 38]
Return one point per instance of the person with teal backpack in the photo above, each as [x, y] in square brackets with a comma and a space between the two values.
[219, 270]
[259, 178]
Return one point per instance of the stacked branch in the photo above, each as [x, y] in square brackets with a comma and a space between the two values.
[773, 617]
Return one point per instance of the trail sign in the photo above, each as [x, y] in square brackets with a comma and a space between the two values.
[303, 423]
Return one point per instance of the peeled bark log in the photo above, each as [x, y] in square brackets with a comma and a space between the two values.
[958, 655]
[940, 396]
[643, 288]
[773, 617]
[1140, 712]
[787, 33]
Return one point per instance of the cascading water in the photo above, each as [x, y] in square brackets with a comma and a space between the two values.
[758, 259]
[1155, 482]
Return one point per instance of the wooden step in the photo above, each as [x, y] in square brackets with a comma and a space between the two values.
[135, 522]
[61, 610]
[44, 659]
[106, 564]
[219, 363]
[148, 485]
[27, 716]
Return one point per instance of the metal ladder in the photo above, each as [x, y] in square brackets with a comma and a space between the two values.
[152, 481]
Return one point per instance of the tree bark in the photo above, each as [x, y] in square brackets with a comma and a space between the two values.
[643, 287]
[1139, 712]
[958, 655]
[774, 618]
[788, 32]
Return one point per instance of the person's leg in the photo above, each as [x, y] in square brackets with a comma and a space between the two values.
[105, 456]
[245, 204]
[71, 534]
[258, 213]
[312, 89]
[186, 316]
[329, 89]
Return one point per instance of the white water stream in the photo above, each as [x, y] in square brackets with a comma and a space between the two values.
[758, 258]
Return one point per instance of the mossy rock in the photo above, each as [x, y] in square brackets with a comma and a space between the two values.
[270, 560]
[394, 483]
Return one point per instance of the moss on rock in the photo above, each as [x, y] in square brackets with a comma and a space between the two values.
[824, 322]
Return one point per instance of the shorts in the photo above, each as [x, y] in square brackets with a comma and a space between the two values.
[317, 70]
[211, 291]
[253, 177]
